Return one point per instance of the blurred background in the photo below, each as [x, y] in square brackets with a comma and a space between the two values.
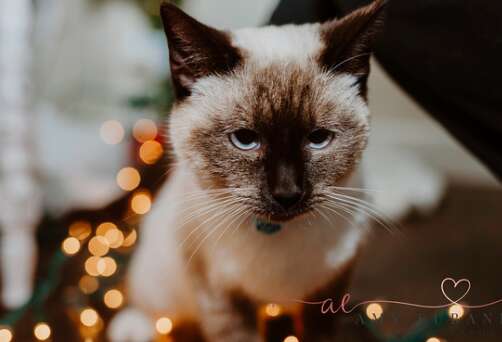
[84, 92]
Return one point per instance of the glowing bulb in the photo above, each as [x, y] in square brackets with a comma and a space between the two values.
[433, 339]
[42, 331]
[150, 152]
[89, 317]
[112, 132]
[374, 311]
[456, 311]
[291, 339]
[106, 267]
[98, 246]
[113, 299]
[91, 266]
[128, 178]
[5, 334]
[144, 130]
[88, 284]
[71, 246]
[130, 239]
[80, 230]
[273, 310]
[141, 203]
[164, 325]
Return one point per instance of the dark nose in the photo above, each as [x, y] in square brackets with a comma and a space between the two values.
[288, 199]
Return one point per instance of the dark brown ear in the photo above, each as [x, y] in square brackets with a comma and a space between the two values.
[349, 41]
[195, 50]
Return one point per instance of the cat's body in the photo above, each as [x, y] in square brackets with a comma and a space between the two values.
[270, 124]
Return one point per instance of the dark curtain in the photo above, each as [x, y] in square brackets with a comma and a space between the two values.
[447, 54]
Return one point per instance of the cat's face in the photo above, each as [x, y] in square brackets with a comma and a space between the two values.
[276, 115]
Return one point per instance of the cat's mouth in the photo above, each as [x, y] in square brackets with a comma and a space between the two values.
[281, 217]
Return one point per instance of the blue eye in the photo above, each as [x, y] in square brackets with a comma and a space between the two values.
[320, 139]
[245, 140]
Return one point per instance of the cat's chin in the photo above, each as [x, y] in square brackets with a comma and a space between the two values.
[283, 217]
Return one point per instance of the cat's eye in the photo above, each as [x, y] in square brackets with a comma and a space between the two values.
[320, 139]
[245, 139]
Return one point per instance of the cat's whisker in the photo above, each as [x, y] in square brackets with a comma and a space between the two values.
[213, 206]
[237, 215]
[369, 207]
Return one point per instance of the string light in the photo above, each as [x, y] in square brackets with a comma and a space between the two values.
[150, 152]
[70, 246]
[80, 230]
[273, 310]
[141, 202]
[456, 311]
[291, 339]
[374, 311]
[144, 130]
[104, 227]
[164, 325]
[113, 299]
[112, 132]
[89, 317]
[88, 284]
[128, 178]
[98, 246]
[42, 331]
[5, 334]
[130, 240]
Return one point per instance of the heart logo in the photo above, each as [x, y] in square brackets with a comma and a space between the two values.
[455, 284]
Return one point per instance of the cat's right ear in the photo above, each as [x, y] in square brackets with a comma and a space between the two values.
[195, 50]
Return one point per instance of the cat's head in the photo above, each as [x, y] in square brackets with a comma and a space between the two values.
[275, 114]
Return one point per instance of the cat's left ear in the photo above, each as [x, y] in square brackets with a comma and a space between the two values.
[349, 41]
[195, 50]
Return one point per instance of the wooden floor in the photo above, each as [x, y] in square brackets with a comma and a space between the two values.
[462, 240]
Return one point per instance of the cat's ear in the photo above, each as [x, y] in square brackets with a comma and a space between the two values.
[349, 41]
[195, 50]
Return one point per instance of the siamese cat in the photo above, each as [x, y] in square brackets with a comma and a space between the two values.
[264, 201]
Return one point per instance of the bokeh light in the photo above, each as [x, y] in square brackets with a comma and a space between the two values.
[374, 311]
[113, 299]
[433, 339]
[88, 284]
[89, 317]
[98, 246]
[106, 267]
[5, 334]
[80, 230]
[456, 311]
[291, 339]
[91, 266]
[70, 246]
[42, 331]
[164, 325]
[131, 238]
[128, 178]
[150, 152]
[114, 237]
[273, 310]
[141, 202]
[144, 130]
[112, 132]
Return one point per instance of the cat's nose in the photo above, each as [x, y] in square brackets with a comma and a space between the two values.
[288, 199]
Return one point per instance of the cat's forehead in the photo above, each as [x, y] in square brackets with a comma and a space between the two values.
[264, 45]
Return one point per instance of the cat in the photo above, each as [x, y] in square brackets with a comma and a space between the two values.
[263, 202]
